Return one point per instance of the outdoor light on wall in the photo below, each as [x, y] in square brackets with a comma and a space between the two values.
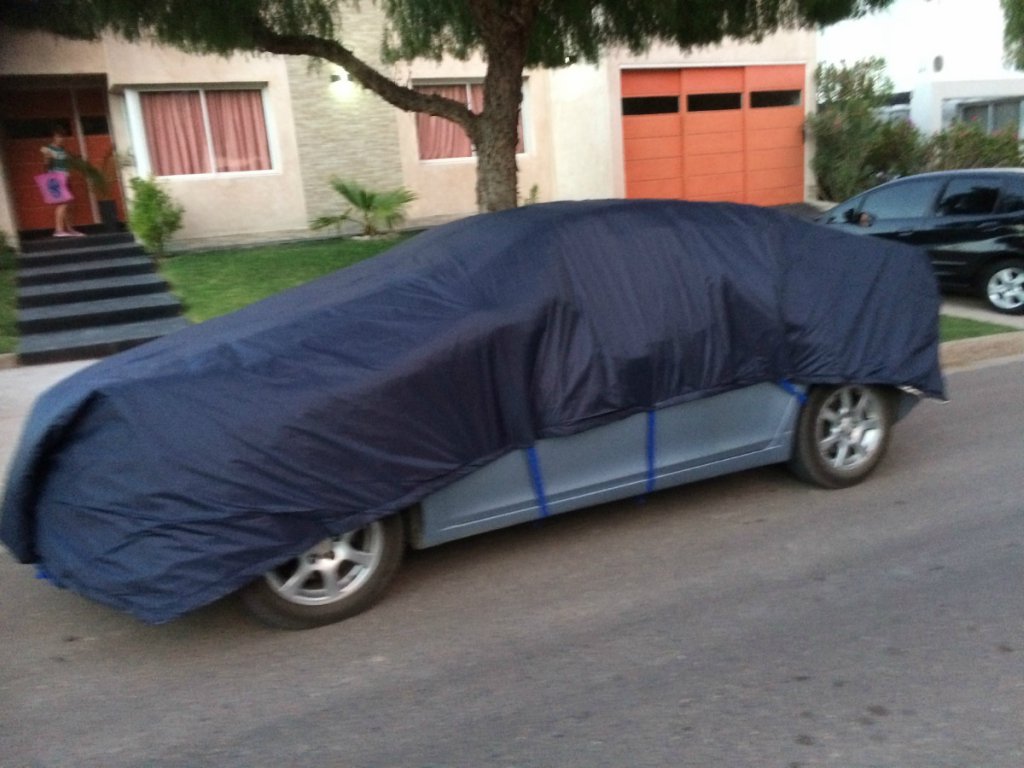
[343, 86]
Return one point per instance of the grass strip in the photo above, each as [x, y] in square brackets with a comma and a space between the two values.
[8, 327]
[212, 283]
[952, 328]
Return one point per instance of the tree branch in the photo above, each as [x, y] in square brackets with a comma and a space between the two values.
[404, 98]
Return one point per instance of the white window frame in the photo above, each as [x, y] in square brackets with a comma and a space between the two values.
[137, 130]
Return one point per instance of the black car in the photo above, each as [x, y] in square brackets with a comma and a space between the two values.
[971, 222]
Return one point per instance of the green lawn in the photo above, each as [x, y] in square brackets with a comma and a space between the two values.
[213, 283]
[8, 334]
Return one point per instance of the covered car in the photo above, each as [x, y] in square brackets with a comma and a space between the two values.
[173, 474]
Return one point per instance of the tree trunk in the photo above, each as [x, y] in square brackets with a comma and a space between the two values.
[504, 29]
[496, 139]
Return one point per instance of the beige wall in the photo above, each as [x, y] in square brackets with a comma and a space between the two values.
[218, 208]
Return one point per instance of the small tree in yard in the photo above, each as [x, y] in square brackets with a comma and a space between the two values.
[511, 35]
[854, 147]
[375, 212]
[153, 216]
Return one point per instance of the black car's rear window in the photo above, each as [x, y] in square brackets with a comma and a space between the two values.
[970, 196]
[1012, 199]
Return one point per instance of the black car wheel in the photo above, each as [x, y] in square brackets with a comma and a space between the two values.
[338, 578]
[1003, 287]
[842, 434]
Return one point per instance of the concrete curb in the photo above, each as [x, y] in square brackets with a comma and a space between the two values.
[966, 352]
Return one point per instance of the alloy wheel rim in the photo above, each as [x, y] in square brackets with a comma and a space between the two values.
[334, 569]
[1006, 288]
[849, 428]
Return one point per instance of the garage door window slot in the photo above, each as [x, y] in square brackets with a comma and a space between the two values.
[766, 99]
[713, 102]
[650, 105]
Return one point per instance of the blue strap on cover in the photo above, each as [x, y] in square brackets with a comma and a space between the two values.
[538, 481]
[651, 446]
[792, 389]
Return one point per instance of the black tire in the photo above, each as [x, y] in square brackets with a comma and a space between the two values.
[338, 578]
[1002, 286]
[842, 434]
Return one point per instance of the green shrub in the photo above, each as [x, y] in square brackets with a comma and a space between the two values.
[855, 146]
[897, 149]
[153, 216]
[375, 212]
[967, 145]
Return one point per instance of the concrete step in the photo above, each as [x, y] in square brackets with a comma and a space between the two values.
[66, 317]
[89, 290]
[82, 255]
[43, 242]
[92, 270]
[93, 342]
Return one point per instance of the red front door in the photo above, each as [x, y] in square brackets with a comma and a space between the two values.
[29, 118]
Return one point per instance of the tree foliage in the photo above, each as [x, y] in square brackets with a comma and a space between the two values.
[1013, 12]
[511, 35]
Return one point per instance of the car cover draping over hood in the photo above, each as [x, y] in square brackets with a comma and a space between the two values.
[172, 474]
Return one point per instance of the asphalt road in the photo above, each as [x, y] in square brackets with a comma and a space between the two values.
[747, 621]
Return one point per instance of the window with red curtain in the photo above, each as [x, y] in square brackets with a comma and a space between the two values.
[439, 138]
[205, 131]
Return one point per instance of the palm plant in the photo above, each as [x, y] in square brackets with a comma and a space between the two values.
[375, 212]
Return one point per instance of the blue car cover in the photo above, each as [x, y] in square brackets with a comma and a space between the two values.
[170, 475]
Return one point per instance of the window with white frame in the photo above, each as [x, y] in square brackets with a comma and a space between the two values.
[1000, 116]
[442, 139]
[204, 131]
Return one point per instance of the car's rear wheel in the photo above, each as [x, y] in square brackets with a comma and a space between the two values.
[338, 578]
[1003, 287]
[842, 434]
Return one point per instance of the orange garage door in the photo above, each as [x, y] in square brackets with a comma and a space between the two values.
[731, 133]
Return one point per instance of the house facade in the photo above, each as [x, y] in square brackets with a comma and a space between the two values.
[945, 56]
[248, 144]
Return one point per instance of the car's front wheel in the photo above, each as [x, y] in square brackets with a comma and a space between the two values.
[1003, 287]
[842, 434]
[338, 578]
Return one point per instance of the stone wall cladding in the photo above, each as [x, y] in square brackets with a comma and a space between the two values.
[342, 129]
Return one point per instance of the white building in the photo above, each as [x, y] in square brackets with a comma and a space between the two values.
[946, 54]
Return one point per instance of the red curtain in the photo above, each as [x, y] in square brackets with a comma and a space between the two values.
[175, 133]
[439, 137]
[238, 130]
[177, 138]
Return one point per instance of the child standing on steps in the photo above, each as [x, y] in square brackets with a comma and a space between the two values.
[57, 160]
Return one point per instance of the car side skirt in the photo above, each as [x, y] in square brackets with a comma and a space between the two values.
[642, 453]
